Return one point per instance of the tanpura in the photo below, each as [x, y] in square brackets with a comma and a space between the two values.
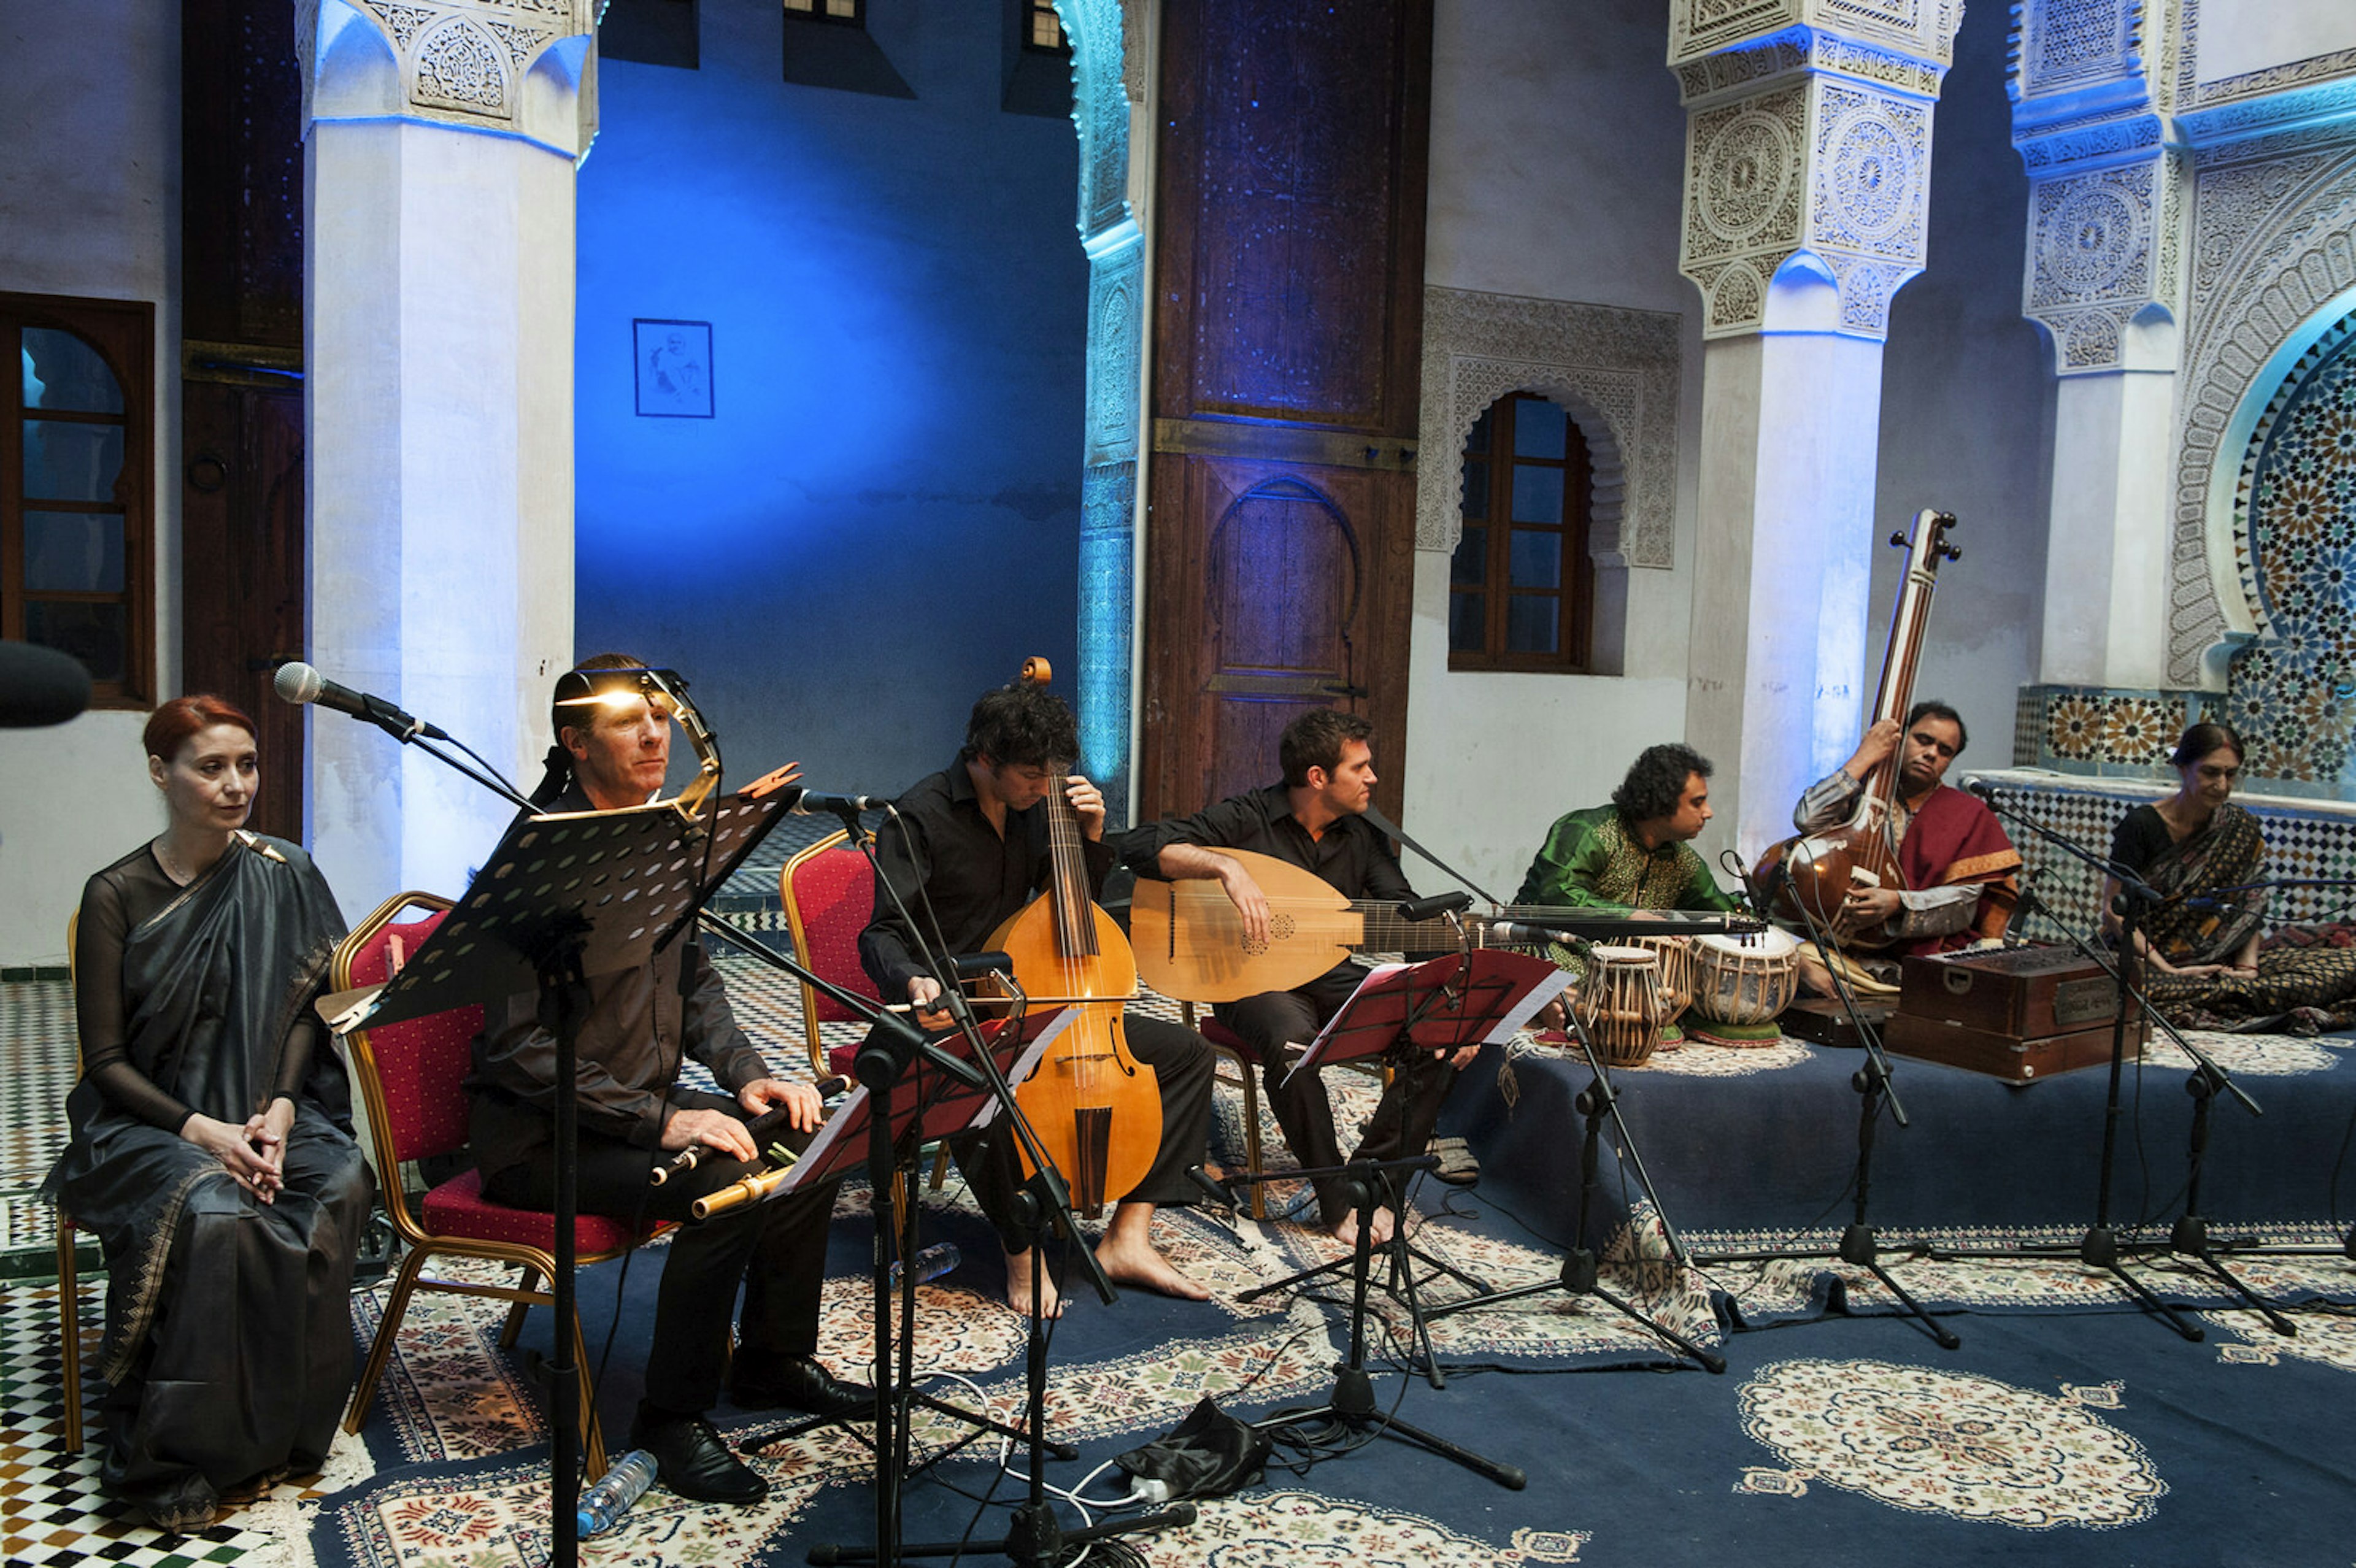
[1096, 1109]
[1815, 872]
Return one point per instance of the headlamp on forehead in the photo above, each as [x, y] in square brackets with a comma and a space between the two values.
[618, 687]
[665, 691]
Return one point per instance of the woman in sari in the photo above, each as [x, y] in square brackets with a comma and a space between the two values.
[211, 1150]
[2202, 960]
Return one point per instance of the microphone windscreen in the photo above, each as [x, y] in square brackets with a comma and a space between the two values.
[39, 685]
[298, 682]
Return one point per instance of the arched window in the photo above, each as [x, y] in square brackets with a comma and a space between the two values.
[1521, 590]
[76, 486]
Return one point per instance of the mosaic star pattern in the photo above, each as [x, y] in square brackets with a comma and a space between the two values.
[2292, 693]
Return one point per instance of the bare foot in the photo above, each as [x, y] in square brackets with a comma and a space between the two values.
[1018, 1287]
[1130, 1257]
[1347, 1231]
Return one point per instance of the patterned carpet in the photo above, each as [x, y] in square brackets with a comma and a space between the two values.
[2069, 1427]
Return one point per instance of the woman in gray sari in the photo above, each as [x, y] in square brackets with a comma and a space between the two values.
[2204, 962]
[211, 1150]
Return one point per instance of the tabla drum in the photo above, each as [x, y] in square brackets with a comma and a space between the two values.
[1676, 957]
[1742, 985]
[1619, 1004]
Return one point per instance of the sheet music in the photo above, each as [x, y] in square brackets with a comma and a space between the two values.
[827, 1134]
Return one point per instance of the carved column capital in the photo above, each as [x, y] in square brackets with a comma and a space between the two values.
[524, 68]
[2105, 247]
[2108, 202]
[1807, 131]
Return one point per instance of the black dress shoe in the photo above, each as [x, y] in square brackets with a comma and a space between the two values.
[801, 1384]
[693, 1461]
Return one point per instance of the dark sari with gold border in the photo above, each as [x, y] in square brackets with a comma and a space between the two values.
[2303, 987]
[229, 1346]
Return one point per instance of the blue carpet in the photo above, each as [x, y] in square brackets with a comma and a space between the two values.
[2080, 1434]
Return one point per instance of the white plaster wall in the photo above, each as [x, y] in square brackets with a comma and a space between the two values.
[2237, 37]
[1966, 409]
[1493, 759]
[89, 205]
[1558, 160]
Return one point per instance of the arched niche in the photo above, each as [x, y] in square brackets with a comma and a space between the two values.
[2291, 684]
[2274, 266]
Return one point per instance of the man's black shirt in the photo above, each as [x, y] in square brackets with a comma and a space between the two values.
[942, 845]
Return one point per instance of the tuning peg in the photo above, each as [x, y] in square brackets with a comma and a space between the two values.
[1897, 539]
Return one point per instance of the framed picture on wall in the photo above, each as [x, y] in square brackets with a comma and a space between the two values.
[674, 368]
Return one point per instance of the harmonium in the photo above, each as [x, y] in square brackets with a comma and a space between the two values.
[2016, 1013]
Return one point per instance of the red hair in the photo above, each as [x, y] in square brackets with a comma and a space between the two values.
[169, 727]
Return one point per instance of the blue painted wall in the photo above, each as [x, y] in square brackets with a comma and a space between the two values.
[883, 517]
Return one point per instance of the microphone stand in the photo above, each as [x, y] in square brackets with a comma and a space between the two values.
[2100, 1247]
[1034, 1535]
[2199, 1086]
[1581, 1276]
[1873, 1085]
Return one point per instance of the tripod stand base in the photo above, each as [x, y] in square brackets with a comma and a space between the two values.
[1354, 1406]
[1036, 1538]
[1580, 1278]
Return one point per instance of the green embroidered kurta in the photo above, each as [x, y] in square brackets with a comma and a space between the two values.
[1590, 858]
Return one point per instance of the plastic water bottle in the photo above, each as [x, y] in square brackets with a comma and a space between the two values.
[931, 1262]
[624, 1482]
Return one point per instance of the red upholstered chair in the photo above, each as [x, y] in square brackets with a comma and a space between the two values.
[829, 892]
[409, 1076]
[1228, 1048]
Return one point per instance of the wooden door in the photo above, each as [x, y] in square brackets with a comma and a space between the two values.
[1287, 337]
[242, 519]
[242, 573]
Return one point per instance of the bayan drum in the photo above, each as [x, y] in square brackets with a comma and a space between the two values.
[1619, 1004]
[1743, 983]
[1676, 957]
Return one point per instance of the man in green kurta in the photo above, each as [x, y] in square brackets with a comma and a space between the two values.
[1635, 853]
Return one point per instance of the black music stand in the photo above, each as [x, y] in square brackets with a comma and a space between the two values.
[940, 1095]
[1352, 1406]
[559, 900]
[1398, 1011]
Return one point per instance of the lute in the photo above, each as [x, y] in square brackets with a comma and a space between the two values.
[1189, 941]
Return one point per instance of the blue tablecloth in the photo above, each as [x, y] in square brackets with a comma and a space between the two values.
[1768, 1139]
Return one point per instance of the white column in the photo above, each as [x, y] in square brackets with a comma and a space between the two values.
[439, 269]
[2107, 554]
[1807, 187]
[2108, 212]
[1783, 567]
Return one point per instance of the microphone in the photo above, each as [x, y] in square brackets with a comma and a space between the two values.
[1983, 788]
[973, 965]
[812, 802]
[1218, 1192]
[1512, 933]
[1436, 905]
[39, 685]
[299, 683]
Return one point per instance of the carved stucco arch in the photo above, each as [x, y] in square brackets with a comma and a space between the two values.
[1615, 370]
[2274, 265]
